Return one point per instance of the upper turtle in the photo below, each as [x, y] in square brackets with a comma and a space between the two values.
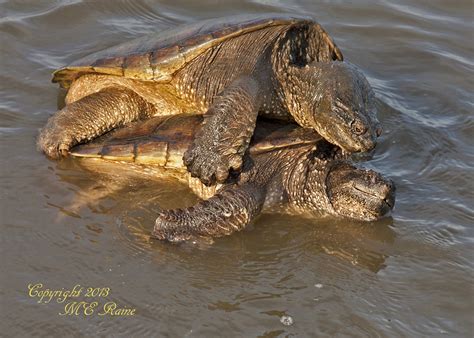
[231, 70]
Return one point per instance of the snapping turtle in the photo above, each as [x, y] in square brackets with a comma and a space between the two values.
[284, 165]
[229, 69]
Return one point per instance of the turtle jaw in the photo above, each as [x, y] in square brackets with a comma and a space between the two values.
[359, 194]
[339, 131]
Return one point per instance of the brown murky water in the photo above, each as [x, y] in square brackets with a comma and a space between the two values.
[410, 275]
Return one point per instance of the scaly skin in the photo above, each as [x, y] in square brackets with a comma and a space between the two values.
[90, 117]
[225, 133]
[227, 212]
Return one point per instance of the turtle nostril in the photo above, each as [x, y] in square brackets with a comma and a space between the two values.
[378, 131]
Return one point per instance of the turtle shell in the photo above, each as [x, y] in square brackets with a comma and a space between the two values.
[162, 141]
[156, 57]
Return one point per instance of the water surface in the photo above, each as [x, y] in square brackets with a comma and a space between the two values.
[410, 275]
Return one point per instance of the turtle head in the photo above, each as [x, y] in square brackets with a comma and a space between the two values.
[339, 105]
[359, 193]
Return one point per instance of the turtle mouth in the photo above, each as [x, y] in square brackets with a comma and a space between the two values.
[341, 133]
[360, 194]
[378, 200]
[389, 202]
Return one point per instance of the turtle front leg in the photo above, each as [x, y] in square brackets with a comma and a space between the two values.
[230, 210]
[89, 117]
[225, 133]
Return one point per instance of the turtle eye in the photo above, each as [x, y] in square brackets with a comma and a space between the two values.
[358, 127]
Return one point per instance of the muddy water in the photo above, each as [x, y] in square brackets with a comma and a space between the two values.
[410, 275]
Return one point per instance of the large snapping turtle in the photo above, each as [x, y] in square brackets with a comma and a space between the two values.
[229, 69]
[284, 165]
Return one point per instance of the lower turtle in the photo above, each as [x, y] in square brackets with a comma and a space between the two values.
[285, 166]
[231, 70]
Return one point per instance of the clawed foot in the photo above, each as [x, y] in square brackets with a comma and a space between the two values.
[210, 164]
[171, 226]
[228, 211]
[54, 142]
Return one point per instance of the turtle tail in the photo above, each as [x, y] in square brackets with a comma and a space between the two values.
[231, 210]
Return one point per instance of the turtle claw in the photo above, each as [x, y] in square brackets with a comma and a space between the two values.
[52, 145]
[55, 138]
[170, 227]
[63, 150]
[210, 165]
[228, 211]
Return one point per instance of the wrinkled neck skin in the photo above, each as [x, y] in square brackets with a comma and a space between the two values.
[300, 91]
[295, 178]
[305, 184]
[294, 50]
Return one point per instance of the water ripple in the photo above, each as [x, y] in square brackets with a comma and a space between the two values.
[406, 275]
